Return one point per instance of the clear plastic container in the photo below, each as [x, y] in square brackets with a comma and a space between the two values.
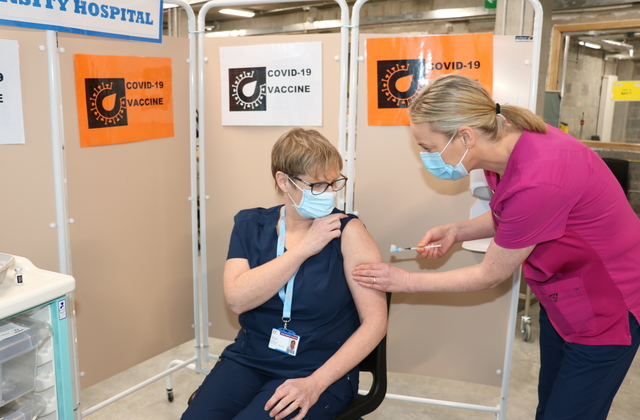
[6, 263]
[27, 407]
[19, 341]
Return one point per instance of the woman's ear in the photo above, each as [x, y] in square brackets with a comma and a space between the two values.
[282, 180]
[469, 136]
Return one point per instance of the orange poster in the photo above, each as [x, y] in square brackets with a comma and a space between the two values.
[123, 99]
[397, 68]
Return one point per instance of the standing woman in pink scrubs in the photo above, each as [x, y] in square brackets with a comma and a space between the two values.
[557, 210]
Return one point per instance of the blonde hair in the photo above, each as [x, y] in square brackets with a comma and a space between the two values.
[453, 100]
[304, 152]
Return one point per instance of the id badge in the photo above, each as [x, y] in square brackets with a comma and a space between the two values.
[285, 341]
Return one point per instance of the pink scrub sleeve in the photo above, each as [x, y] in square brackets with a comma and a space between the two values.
[532, 215]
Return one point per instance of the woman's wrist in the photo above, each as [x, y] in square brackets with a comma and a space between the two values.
[319, 384]
[453, 230]
[297, 255]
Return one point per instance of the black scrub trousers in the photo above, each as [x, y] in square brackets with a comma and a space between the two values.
[578, 381]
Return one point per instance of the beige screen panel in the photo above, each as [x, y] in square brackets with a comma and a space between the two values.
[131, 236]
[26, 170]
[455, 336]
[238, 161]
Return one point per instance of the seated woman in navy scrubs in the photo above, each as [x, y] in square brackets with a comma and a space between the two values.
[305, 324]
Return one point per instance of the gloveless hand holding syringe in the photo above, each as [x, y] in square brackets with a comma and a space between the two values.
[396, 249]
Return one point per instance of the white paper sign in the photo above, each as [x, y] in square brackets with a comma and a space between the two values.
[139, 20]
[272, 84]
[11, 118]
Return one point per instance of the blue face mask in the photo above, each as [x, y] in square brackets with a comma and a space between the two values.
[314, 206]
[433, 163]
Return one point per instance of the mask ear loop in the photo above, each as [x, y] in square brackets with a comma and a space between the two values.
[462, 158]
[292, 200]
[448, 143]
[465, 153]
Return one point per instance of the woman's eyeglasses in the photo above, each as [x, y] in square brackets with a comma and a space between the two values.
[320, 187]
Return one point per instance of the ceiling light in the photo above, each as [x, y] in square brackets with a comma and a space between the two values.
[166, 6]
[590, 45]
[238, 12]
[222, 34]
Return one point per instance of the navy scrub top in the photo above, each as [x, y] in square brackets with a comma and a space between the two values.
[323, 313]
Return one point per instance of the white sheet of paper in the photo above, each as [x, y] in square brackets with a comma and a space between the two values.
[11, 116]
[272, 84]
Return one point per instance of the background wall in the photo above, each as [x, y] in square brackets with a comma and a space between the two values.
[238, 162]
[395, 198]
[586, 66]
[626, 124]
[585, 69]
[379, 16]
[458, 336]
[131, 240]
[513, 17]
[27, 169]
[632, 127]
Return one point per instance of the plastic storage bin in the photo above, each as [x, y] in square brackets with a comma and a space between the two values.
[19, 341]
[24, 408]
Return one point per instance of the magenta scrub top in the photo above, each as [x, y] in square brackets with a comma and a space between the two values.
[559, 195]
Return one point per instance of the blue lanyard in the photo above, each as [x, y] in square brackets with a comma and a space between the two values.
[286, 293]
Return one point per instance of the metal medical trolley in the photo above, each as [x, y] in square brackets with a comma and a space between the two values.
[35, 361]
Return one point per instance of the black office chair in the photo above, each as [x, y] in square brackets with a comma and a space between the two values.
[620, 169]
[376, 363]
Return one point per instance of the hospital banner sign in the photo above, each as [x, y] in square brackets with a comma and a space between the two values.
[272, 84]
[397, 68]
[137, 20]
[11, 117]
[123, 99]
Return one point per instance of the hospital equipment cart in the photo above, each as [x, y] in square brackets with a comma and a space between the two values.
[35, 361]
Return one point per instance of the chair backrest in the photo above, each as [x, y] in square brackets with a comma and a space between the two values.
[620, 169]
[376, 363]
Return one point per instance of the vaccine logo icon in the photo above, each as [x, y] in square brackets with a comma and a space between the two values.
[106, 102]
[248, 89]
[399, 82]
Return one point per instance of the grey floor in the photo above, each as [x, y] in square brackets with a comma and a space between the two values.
[151, 402]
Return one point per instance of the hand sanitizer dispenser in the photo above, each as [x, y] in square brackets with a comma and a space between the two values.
[479, 189]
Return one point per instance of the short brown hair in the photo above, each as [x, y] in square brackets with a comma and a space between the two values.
[304, 152]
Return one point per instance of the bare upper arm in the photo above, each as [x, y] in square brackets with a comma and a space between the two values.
[358, 247]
